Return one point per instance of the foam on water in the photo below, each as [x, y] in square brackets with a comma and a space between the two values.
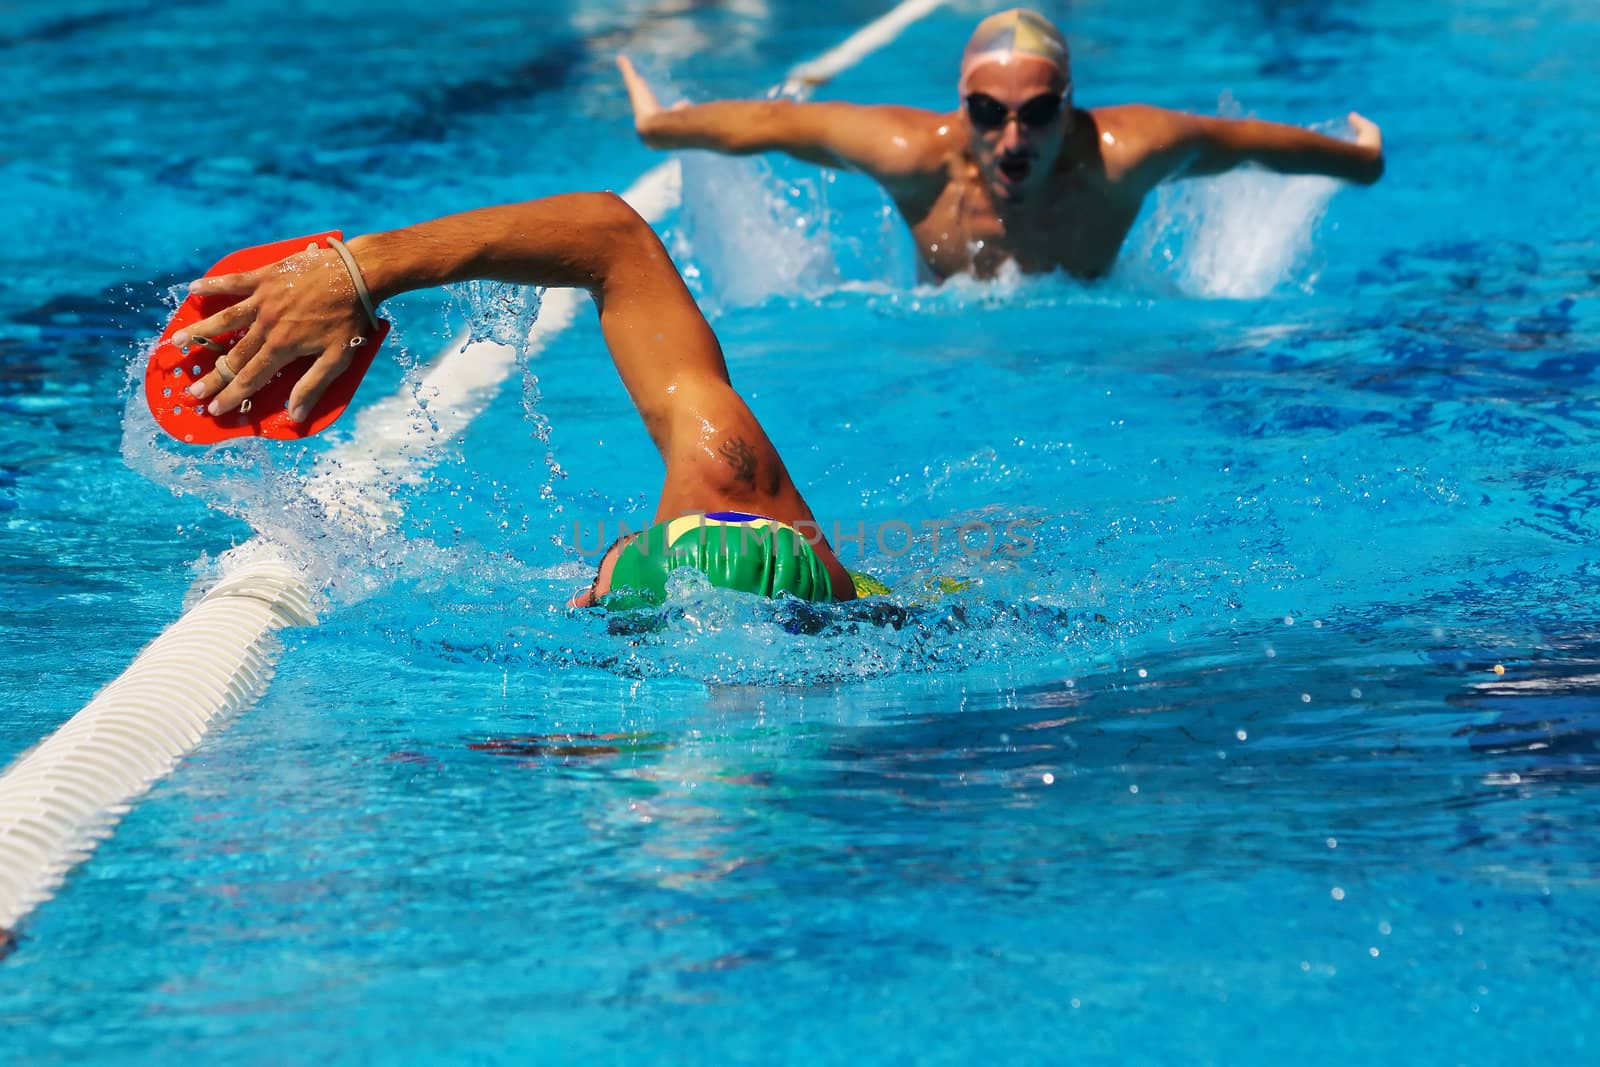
[717, 637]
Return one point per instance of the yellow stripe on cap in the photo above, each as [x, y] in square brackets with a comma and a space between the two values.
[1018, 32]
[691, 524]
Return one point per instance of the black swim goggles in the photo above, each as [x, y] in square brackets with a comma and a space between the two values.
[987, 113]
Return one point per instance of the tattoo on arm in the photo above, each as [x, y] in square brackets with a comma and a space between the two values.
[742, 458]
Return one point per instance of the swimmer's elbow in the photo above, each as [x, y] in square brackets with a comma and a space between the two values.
[624, 240]
[610, 221]
[610, 209]
[657, 131]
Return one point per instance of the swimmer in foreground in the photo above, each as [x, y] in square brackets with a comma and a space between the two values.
[728, 506]
[1016, 172]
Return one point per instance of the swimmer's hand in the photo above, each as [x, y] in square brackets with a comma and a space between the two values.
[302, 306]
[1368, 136]
[643, 98]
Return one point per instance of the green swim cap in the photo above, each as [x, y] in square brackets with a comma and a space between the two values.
[749, 553]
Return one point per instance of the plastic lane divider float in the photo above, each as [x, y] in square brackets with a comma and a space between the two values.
[59, 798]
[861, 44]
[63, 796]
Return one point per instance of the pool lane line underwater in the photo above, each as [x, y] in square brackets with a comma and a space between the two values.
[59, 799]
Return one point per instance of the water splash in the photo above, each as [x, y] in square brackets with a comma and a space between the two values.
[1238, 235]
[718, 637]
[750, 237]
[497, 312]
[744, 236]
[336, 508]
[502, 313]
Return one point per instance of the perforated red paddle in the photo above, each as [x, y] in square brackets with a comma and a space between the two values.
[170, 371]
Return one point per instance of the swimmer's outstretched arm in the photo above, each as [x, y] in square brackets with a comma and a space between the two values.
[884, 141]
[306, 305]
[716, 453]
[1193, 146]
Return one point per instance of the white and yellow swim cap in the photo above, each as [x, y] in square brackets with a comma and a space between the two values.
[1018, 32]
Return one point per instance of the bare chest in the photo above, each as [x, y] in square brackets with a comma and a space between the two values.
[1071, 228]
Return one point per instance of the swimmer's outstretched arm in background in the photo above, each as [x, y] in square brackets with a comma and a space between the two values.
[1161, 145]
[889, 143]
[717, 455]
[895, 144]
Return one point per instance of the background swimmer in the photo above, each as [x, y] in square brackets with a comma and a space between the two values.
[1016, 173]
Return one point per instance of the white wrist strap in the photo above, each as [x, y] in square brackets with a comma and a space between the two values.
[355, 277]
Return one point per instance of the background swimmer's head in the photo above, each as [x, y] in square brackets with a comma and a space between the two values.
[1016, 98]
[1018, 32]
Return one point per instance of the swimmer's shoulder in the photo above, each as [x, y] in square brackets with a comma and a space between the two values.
[1130, 136]
[912, 140]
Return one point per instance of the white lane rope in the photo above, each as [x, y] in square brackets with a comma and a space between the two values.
[858, 46]
[60, 798]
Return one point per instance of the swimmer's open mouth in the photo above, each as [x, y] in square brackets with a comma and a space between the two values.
[1015, 168]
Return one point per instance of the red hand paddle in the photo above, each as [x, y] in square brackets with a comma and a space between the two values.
[170, 372]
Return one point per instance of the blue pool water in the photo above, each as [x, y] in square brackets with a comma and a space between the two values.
[1218, 771]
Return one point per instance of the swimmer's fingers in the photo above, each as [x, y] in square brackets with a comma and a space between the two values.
[1368, 134]
[1369, 139]
[243, 283]
[306, 306]
[246, 284]
[253, 369]
[334, 361]
[640, 95]
[234, 359]
[231, 319]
